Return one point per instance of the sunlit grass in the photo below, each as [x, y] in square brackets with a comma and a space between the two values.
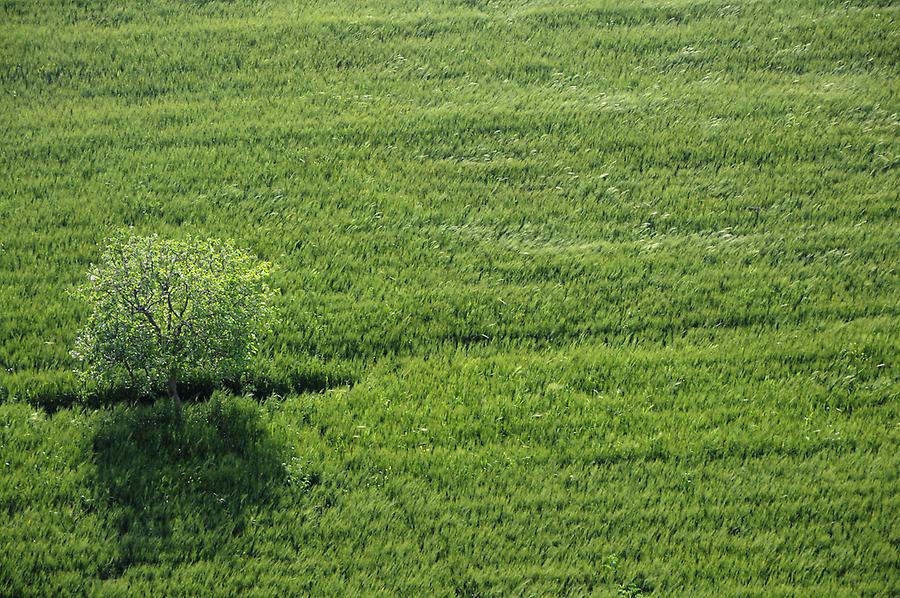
[575, 298]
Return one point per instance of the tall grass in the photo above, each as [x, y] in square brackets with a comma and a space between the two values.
[576, 298]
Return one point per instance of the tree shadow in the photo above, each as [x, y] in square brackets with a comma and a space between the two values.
[181, 488]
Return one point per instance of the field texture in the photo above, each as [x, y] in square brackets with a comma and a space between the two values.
[577, 298]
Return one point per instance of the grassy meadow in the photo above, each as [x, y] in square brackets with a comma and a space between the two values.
[589, 298]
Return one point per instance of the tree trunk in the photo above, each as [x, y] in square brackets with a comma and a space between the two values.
[173, 393]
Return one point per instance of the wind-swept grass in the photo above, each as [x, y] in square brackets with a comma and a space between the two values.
[576, 298]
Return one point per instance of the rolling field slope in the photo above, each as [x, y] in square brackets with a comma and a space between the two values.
[576, 298]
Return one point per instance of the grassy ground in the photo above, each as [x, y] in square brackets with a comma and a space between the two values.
[577, 298]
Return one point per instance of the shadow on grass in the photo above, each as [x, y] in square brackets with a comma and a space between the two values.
[52, 391]
[181, 489]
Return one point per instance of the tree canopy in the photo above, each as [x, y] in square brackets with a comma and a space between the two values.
[167, 310]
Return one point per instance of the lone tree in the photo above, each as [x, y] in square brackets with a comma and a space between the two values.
[164, 311]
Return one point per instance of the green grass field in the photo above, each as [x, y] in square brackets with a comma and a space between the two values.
[577, 298]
